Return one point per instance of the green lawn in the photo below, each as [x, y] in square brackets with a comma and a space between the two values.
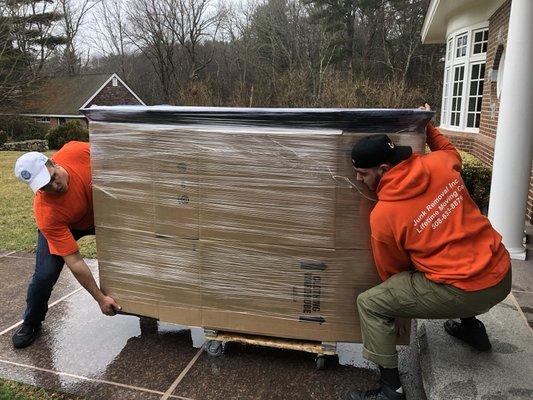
[10, 390]
[16, 214]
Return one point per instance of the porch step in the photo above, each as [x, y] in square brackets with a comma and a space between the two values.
[454, 371]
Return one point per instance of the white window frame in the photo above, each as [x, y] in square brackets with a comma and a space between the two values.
[450, 64]
[445, 109]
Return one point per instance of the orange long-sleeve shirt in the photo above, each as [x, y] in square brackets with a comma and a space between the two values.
[425, 219]
[57, 214]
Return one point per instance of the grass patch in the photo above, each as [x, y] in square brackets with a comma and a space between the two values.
[10, 390]
[19, 231]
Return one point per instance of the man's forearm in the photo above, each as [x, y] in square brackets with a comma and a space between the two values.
[83, 275]
[436, 140]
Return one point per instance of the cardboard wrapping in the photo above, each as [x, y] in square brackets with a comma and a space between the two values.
[244, 220]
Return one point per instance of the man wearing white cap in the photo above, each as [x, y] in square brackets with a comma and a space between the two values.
[63, 210]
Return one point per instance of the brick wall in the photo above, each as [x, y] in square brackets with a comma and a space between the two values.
[498, 27]
[463, 141]
[475, 144]
[114, 96]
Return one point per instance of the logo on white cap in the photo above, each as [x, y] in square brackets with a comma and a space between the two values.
[31, 169]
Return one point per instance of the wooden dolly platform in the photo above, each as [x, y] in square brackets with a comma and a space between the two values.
[216, 343]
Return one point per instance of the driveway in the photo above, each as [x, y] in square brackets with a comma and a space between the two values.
[83, 352]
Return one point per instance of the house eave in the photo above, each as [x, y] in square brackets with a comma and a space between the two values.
[445, 16]
[80, 116]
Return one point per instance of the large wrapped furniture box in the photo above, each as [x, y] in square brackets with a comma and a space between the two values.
[242, 220]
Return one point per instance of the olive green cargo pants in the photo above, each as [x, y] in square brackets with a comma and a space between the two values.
[411, 295]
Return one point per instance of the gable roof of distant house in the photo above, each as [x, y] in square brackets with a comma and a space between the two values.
[65, 95]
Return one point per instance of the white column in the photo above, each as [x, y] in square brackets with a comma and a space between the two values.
[512, 153]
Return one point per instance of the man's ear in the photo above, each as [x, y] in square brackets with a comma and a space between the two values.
[384, 168]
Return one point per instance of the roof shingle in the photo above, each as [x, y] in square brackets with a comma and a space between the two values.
[64, 95]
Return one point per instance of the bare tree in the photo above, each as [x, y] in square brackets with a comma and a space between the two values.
[193, 22]
[111, 37]
[150, 35]
[236, 32]
[169, 33]
[272, 52]
[288, 52]
[74, 14]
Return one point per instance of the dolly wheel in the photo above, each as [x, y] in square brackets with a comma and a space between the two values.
[320, 362]
[214, 348]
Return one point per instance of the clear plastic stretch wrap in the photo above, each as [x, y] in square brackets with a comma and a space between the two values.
[245, 220]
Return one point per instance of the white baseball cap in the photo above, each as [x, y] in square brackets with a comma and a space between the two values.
[31, 169]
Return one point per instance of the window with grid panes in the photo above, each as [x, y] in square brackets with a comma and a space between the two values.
[479, 41]
[461, 45]
[464, 69]
[457, 95]
[475, 95]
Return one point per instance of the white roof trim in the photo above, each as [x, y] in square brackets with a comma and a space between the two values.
[55, 115]
[429, 18]
[105, 84]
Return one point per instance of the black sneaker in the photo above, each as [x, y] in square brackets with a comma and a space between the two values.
[25, 335]
[475, 336]
[383, 392]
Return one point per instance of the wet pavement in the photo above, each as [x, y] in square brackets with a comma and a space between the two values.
[16, 269]
[82, 352]
[263, 373]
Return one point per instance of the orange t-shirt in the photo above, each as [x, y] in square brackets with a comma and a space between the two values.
[425, 219]
[57, 214]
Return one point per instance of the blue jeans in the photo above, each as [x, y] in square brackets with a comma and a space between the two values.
[47, 269]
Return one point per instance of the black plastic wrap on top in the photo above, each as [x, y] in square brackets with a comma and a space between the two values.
[352, 119]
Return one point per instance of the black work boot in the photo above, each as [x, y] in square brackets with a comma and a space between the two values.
[471, 331]
[383, 392]
[25, 335]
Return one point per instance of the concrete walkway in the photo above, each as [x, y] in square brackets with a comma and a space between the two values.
[453, 371]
